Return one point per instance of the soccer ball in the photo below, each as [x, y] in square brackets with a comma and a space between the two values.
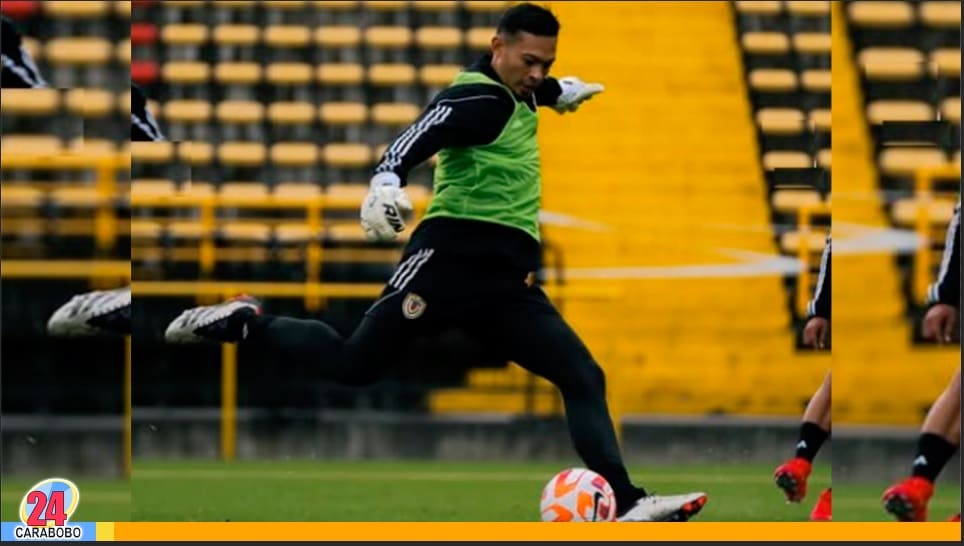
[577, 494]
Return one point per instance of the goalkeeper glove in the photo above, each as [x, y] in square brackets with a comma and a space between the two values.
[383, 207]
[574, 93]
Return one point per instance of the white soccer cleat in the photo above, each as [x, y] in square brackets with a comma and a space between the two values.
[93, 313]
[666, 508]
[224, 322]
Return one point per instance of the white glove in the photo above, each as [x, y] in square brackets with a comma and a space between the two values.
[383, 207]
[574, 93]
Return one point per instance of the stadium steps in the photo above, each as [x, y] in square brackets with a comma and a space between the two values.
[637, 201]
[879, 377]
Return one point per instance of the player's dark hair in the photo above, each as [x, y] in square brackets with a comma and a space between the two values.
[528, 18]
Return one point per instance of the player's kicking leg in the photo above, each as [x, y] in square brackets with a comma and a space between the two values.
[792, 475]
[93, 313]
[940, 438]
[534, 335]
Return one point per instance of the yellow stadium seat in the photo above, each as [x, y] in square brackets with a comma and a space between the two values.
[20, 196]
[946, 62]
[89, 103]
[289, 73]
[394, 114]
[186, 230]
[479, 38]
[906, 210]
[251, 190]
[187, 111]
[91, 146]
[385, 5]
[483, 6]
[813, 43]
[759, 7]
[153, 187]
[891, 63]
[340, 74]
[809, 8]
[240, 5]
[76, 9]
[791, 200]
[122, 8]
[122, 51]
[388, 37]
[438, 37]
[294, 154]
[186, 72]
[287, 234]
[30, 144]
[184, 3]
[343, 113]
[338, 36]
[898, 110]
[435, 5]
[951, 110]
[391, 74]
[195, 188]
[786, 160]
[819, 120]
[284, 4]
[438, 74]
[152, 152]
[767, 79]
[195, 153]
[791, 241]
[765, 43]
[343, 232]
[780, 121]
[78, 51]
[336, 5]
[238, 73]
[346, 191]
[146, 230]
[291, 113]
[823, 158]
[287, 36]
[29, 102]
[347, 155]
[75, 196]
[290, 190]
[236, 35]
[816, 80]
[239, 111]
[242, 154]
[124, 103]
[245, 232]
[941, 14]
[906, 161]
[184, 34]
[887, 14]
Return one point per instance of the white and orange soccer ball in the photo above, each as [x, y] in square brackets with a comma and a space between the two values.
[577, 494]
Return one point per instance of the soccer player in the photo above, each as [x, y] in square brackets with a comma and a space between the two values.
[470, 263]
[940, 434]
[792, 475]
[18, 71]
[106, 311]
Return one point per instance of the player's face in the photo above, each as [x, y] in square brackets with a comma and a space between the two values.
[523, 60]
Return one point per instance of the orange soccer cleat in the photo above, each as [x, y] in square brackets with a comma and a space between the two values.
[822, 511]
[791, 477]
[907, 501]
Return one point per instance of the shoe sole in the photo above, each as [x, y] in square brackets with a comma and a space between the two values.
[789, 485]
[900, 507]
[688, 510]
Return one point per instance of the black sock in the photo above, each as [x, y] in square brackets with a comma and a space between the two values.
[811, 438]
[933, 452]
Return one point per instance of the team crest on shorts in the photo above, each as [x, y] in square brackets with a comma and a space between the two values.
[413, 306]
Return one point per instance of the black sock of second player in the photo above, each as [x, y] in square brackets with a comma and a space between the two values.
[933, 452]
[812, 436]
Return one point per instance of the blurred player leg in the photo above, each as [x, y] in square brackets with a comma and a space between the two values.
[792, 476]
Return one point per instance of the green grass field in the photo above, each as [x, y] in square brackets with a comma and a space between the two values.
[100, 500]
[419, 491]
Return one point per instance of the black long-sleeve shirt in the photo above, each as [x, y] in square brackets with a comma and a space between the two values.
[19, 70]
[820, 306]
[462, 116]
[143, 125]
[947, 287]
